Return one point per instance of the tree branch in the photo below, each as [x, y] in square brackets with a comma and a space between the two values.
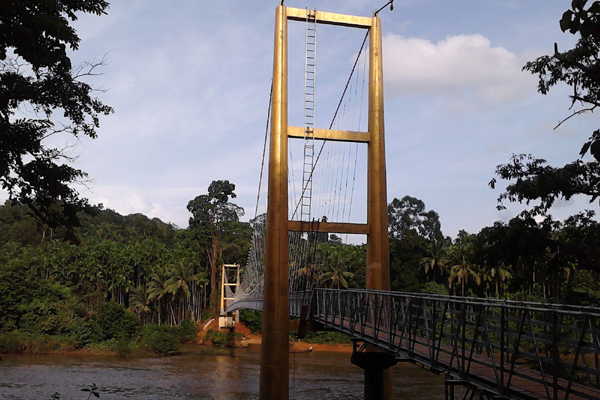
[582, 111]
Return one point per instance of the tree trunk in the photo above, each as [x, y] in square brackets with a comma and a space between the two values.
[213, 253]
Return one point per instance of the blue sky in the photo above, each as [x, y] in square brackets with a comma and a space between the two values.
[189, 81]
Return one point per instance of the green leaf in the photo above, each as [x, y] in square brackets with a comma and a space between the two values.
[586, 28]
[574, 27]
[585, 148]
[578, 4]
[595, 7]
[565, 21]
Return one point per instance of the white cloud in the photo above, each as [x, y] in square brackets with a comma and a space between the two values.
[465, 69]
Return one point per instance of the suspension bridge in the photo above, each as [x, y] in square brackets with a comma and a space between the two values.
[496, 349]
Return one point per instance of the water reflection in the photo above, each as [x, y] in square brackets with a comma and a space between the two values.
[318, 375]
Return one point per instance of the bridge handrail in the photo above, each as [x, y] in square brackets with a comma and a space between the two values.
[511, 304]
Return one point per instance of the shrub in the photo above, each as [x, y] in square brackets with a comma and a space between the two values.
[81, 331]
[188, 331]
[217, 338]
[20, 342]
[252, 319]
[114, 322]
[67, 343]
[164, 343]
[14, 342]
[148, 330]
[434, 288]
[326, 337]
[44, 344]
[122, 347]
[238, 335]
[583, 289]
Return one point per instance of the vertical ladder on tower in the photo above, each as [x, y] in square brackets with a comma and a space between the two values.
[310, 71]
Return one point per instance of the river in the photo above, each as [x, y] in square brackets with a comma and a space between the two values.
[193, 375]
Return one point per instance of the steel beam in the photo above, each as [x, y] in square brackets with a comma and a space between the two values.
[330, 134]
[351, 21]
[328, 227]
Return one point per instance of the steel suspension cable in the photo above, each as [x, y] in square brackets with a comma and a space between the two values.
[362, 96]
[335, 114]
[262, 166]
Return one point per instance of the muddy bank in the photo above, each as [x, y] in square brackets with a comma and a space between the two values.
[256, 340]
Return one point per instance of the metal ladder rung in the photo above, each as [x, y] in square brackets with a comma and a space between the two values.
[310, 69]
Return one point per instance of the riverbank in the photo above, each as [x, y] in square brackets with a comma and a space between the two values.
[253, 340]
[256, 340]
[203, 338]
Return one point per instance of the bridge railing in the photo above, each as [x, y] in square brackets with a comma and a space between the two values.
[512, 349]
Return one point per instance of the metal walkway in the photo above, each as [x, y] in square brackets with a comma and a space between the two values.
[503, 349]
[506, 349]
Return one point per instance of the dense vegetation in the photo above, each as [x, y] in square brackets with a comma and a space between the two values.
[74, 275]
[130, 275]
[519, 259]
[126, 271]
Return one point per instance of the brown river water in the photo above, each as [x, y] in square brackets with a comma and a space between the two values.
[234, 375]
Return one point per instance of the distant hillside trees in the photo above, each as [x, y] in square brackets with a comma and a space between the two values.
[155, 270]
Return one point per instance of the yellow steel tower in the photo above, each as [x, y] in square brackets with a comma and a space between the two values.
[274, 374]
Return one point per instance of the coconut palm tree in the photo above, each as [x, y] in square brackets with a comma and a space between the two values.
[462, 268]
[139, 303]
[436, 259]
[182, 277]
[496, 275]
[336, 272]
[157, 289]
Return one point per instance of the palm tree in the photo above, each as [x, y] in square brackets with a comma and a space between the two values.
[436, 259]
[157, 288]
[462, 268]
[336, 271]
[139, 302]
[497, 275]
[181, 278]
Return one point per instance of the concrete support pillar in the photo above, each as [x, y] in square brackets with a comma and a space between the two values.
[375, 365]
[274, 361]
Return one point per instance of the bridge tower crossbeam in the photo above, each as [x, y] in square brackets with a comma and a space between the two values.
[226, 320]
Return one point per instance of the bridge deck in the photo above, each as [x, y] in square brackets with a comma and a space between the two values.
[525, 383]
[507, 350]
[512, 350]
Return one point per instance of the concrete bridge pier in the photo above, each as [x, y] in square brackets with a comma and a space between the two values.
[378, 384]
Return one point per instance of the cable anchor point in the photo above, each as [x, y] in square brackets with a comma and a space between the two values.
[389, 3]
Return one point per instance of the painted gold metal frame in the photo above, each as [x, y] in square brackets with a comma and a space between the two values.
[274, 376]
